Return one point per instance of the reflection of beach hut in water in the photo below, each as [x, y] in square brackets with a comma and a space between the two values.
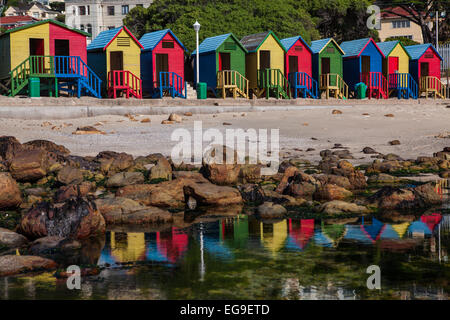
[264, 65]
[162, 64]
[363, 62]
[327, 68]
[356, 233]
[222, 65]
[374, 230]
[396, 70]
[431, 220]
[126, 247]
[115, 56]
[300, 233]
[273, 236]
[425, 67]
[298, 67]
[419, 229]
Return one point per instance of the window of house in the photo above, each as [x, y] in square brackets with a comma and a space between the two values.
[111, 27]
[82, 27]
[89, 28]
[125, 9]
[44, 14]
[88, 10]
[167, 44]
[82, 10]
[110, 10]
[36, 15]
[401, 24]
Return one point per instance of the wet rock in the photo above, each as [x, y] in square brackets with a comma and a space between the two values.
[191, 175]
[75, 218]
[126, 211]
[382, 178]
[393, 198]
[191, 203]
[394, 142]
[392, 156]
[269, 210]
[250, 173]
[37, 192]
[12, 264]
[217, 169]
[289, 172]
[29, 165]
[369, 150]
[73, 191]
[162, 170]
[330, 192]
[342, 154]
[338, 207]
[355, 177]
[70, 175]
[123, 179]
[326, 153]
[9, 147]
[210, 194]
[47, 146]
[55, 248]
[251, 193]
[11, 239]
[341, 181]
[111, 161]
[284, 199]
[10, 195]
[427, 194]
[445, 174]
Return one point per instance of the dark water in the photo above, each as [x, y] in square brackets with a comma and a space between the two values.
[244, 258]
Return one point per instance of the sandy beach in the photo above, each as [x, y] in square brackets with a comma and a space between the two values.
[421, 129]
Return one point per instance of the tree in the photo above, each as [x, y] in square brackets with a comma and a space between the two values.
[419, 12]
[403, 40]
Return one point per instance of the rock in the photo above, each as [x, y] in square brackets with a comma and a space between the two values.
[11, 239]
[54, 247]
[394, 142]
[389, 115]
[75, 218]
[301, 185]
[251, 193]
[289, 172]
[250, 173]
[226, 124]
[338, 206]
[331, 192]
[88, 130]
[393, 198]
[210, 194]
[162, 170]
[368, 150]
[9, 147]
[326, 153]
[114, 162]
[188, 114]
[126, 211]
[73, 191]
[47, 146]
[37, 192]
[190, 175]
[70, 175]
[382, 178]
[123, 179]
[216, 168]
[284, 199]
[427, 194]
[269, 210]
[191, 203]
[167, 122]
[146, 120]
[392, 157]
[336, 111]
[29, 165]
[13, 264]
[341, 181]
[445, 174]
[175, 117]
[10, 195]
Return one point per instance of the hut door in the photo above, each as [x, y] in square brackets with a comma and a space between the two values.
[37, 49]
[293, 64]
[393, 64]
[326, 68]
[116, 60]
[162, 65]
[264, 59]
[424, 69]
[62, 47]
[224, 61]
[63, 65]
[365, 64]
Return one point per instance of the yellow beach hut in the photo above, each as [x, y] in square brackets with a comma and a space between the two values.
[264, 65]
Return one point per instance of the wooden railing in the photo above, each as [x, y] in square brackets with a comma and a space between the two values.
[274, 79]
[37, 66]
[231, 79]
[171, 82]
[434, 85]
[333, 81]
[303, 81]
[376, 83]
[403, 81]
[126, 81]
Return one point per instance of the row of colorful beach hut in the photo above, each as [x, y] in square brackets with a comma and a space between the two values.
[48, 55]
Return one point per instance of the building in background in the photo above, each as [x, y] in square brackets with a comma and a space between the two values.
[95, 16]
[33, 9]
[16, 21]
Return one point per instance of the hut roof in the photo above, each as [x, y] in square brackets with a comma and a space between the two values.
[387, 47]
[417, 51]
[211, 44]
[150, 40]
[104, 38]
[289, 42]
[252, 42]
[355, 47]
[31, 25]
[318, 45]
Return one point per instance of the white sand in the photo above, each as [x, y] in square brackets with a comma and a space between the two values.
[416, 126]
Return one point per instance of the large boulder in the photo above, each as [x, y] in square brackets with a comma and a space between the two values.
[252, 193]
[47, 146]
[70, 175]
[331, 192]
[393, 198]
[269, 210]
[211, 194]
[111, 161]
[10, 195]
[13, 264]
[217, 169]
[162, 170]
[123, 179]
[75, 218]
[29, 165]
[11, 239]
[74, 191]
[9, 147]
[289, 172]
[427, 194]
[338, 207]
[340, 181]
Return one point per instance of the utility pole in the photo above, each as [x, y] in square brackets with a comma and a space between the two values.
[437, 30]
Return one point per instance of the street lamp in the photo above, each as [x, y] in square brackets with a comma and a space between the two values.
[197, 29]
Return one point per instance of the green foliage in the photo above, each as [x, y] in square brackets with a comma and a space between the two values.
[404, 41]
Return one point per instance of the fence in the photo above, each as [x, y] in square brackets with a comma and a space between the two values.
[444, 51]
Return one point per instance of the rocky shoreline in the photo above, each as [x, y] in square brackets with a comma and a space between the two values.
[54, 204]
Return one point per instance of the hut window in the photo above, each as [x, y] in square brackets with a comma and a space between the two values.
[230, 46]
[123, 42]
[298, 48]
[429, 56]
[167, 44]
[330, 50]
